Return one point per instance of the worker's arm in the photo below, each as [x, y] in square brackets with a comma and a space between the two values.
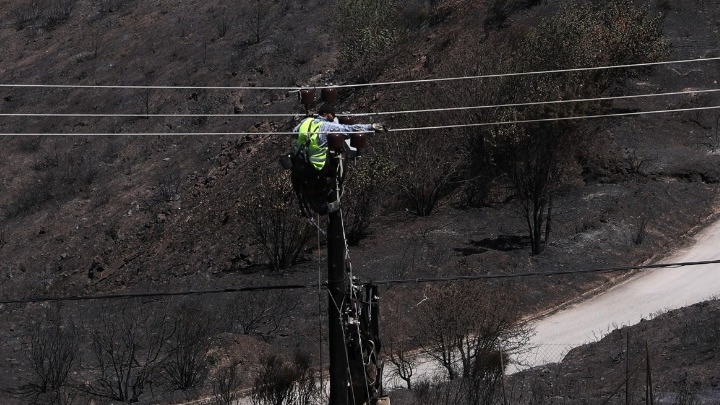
[334, 127]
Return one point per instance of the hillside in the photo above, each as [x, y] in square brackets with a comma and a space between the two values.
[127, 207]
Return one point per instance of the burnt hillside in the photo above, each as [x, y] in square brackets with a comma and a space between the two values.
[121, 202]
[126, 206]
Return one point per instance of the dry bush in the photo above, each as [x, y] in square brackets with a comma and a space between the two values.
[470, 330]
[365, 186]
[53, 356]
[187, 363]
[424, 168]
[274, 220]
[282, 382]
[398, 347]
[460, 325]
[263, 315]
[226, 385]
[127, 346]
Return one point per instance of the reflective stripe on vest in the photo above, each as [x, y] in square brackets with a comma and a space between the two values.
[308, 138]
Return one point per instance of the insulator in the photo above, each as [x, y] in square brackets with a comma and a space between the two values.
[307, 97]
[329, 95]
[336, 142]
[358, 141]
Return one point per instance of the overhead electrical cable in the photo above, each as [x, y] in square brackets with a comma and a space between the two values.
[416, 81]
[155, 294]
[536, 120]
[450, 126]
[417, 280]
[476, 277]
[539, 72]
[137, 115]
[534, 103]
[381, 113]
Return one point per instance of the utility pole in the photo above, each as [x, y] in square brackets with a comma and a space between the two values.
[337, 288]
[353, 353]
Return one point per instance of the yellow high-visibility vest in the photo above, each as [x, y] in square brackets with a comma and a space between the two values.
[308, 139]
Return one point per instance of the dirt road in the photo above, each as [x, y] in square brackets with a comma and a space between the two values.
[641, 296]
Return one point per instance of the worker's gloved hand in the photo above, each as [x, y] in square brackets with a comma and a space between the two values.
[377, 127]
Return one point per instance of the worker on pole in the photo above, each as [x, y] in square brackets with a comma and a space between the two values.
[312, 178]
[316, 161]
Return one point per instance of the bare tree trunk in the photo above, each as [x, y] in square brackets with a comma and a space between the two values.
[548, 220]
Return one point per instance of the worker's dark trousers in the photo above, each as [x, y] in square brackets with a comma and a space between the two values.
[315, 187]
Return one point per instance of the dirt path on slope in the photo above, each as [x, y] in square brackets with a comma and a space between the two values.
[639, 297]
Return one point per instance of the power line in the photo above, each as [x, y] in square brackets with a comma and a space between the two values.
[30, 300]
[534, 103]
[136, 115]
[451, 126]
[146, 87]
[536, 120]
[539, 72]
[417, 81]
[381, 113]
[418, 280]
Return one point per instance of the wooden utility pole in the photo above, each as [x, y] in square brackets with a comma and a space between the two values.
[353, 321]
[337, 288]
